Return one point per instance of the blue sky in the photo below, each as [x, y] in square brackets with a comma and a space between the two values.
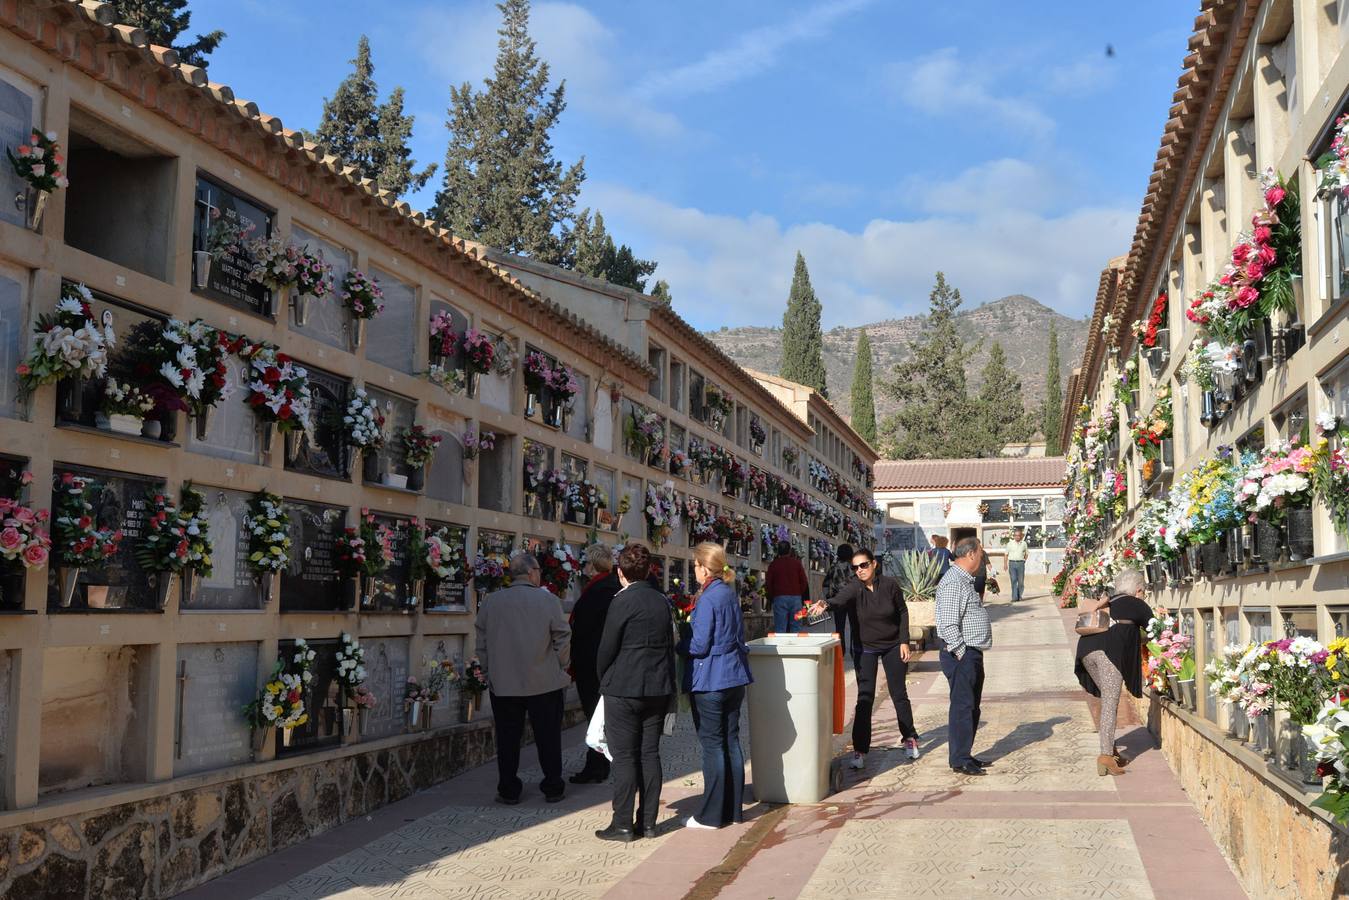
[884, 139]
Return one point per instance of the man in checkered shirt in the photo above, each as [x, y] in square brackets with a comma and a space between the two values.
[963, 626]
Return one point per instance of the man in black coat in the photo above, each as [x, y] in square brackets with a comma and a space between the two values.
[587, 626]
[636, 664]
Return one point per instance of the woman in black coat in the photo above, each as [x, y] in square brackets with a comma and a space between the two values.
[636, 665]
[1109, 660]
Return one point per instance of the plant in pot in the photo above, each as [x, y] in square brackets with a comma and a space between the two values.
[363, 424]
[363, 299]
[42, 165]
[281, 702]
[281, 266]
[277, 390]
[176, 541]
[123, 407]
[537, 371]
[68, 343]
[76, 537]
[351, 676]
[419, 448]
[268, 527]
[480, 352]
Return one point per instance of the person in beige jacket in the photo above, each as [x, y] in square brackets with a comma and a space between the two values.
[524, 645]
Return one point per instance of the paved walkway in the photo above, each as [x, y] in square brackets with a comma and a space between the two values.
[1040, 824]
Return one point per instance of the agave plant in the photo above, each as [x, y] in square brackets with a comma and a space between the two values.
[918, 574]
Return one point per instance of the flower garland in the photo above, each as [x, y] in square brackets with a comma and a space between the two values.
[78, 540]
[361, 295]
[268, 526]
[278, 388]
[40, 162]
[363, 422]
[68, 343]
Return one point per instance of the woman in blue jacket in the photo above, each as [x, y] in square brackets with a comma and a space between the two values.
[719, 672]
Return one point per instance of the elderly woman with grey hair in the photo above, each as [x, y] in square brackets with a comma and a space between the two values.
[1110, 660]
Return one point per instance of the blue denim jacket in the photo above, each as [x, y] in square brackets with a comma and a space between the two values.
[720, 658]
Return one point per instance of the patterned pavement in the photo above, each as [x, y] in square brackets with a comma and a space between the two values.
[1040, 824]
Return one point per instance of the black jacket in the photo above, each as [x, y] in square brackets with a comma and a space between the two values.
[636, 654]
[1122, 643]
[587, 625]
[882, 614]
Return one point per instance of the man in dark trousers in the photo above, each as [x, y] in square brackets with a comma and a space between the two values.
[636, 663]
[524, 645]
[966, 632]
[587, 626]
[787, 587]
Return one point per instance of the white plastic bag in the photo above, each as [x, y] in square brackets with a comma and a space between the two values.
[595, 733]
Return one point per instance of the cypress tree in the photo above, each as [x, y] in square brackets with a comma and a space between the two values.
[502, 185]
[1051, 422]
[162, 21]
[863, 406]
[1000, 404]
[661, 293]
[367, 135]
[802, 341]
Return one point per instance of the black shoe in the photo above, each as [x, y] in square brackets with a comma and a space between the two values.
[507, 800]
[981, 763]
[554, 798]
[587, 778]
[968, 769]
[616, 833]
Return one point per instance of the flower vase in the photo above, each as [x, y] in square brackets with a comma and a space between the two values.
[1305, 746]
[531, 404]
[201, 268]
[1238, 726]
[416, 478]
[201, 423]
[363, 719]
[34, 205]
[467, 707]
[164, 582]
[287, 734]
[414, 714]
[1262, 734]
[122, 423]
[1173, 686]
[1187, 693]
[299, 305]
[1149, 469]
[152, 429]
[1298, 532]
[357, 333]
[348, 719]
[373, 467]
[68, 577]
[265, 580]
[427, 708]
[470, 383]
[292, 437]
[265, 441]
[1208, 409]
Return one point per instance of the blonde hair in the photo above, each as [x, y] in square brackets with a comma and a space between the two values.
[712, 557]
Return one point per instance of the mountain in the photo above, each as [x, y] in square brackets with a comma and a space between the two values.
[1019, 322]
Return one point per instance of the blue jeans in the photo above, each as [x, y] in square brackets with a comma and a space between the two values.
[716, 717]
[784, 608]
[966, 679]
[1016, 569]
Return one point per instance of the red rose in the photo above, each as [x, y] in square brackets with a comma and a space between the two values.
[1274, 196]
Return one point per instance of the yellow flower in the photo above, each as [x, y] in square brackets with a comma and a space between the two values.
[276, 710]
[274, 687]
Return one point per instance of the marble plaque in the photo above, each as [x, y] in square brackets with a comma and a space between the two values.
[231, 584]
[13, 323]
[326, 453]
[386, 666]
[391, 589]
[232, 431]
[495, 391]
[634, 523]
[1054, 508]
[496, 476]
[399, 415]
[119, 501]
[445, 480]
[223, 225]
[930, 515]
[390, 335]
[323, 700]
[579, 424]
[327, 320]
[602, 422]
[449, 594]
[311, 581]
[1026, 509]
[496, 543]
[215, 683]
[442, 648]
[16, 126]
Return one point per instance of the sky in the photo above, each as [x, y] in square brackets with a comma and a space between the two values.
[885, 140]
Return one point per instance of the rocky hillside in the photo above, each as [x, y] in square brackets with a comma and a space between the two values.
[1019, 322]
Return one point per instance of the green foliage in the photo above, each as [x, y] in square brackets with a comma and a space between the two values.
[163, 21]
[371, 136]
[918, 574]
[1051, 419]
[594, 254]
[502, 185]
[936, 419]
[999, 401]
[862, 405]
[661, 293]
[802, 341]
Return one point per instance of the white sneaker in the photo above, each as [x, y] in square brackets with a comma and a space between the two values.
[911, 747]
[858, 760]
[691, 822]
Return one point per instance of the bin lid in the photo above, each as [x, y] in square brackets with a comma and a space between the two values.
[793, 645]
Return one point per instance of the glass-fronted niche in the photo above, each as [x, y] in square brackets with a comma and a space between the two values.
[224, 223]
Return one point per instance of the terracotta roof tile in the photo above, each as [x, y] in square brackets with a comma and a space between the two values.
[961, 474]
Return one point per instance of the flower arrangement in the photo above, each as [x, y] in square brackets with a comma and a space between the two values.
[363, 422]
[476, 442]
[644, 431]
[351, 667]
[418, 445]
[125, 399]
[1254, 691]
[1330, 477]
[1298, 676]
[441, 558]
[1126, 386]
[681, 603]
[661, 512]
[278, 388]
[361, 295]
[68, 343]
[1330, 737]
[489, 574]
[23, 537]
[479, 351]
[564, 384]
[1156, 321]
[448, 377]
[1148, 432]
[437, 677]
[757, 434]
[475, 679]
[280, 703]
[177, 538]
[1169, 651]
[680, 463]
[715, 400]
[1224, 678]
[268, 527]
[180, 364]
[537, 371]
[278, 264]
[752, 589]
[40, 162]
[559, 569]
[1281, 480]
[76, 536]
[366, 549]
[443, 335]
[789, 457]
[1333, 165]
[582, 495]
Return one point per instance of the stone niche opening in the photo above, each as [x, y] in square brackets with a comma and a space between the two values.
[120, 202]
[93, 717]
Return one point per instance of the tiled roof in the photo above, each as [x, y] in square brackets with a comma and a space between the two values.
[961, 474]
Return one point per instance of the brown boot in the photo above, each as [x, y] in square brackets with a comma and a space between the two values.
[1121, 759]
[1106, 765]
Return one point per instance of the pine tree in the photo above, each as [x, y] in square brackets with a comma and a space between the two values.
[367, 135]
[802, 342]
[1051, 422]
[863, 406]
[936, 418]
[593, 253]
[1000, 405]
[162, 21]
[661, 293]
[502, 185]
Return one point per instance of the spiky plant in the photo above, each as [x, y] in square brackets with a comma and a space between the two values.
[918, 575]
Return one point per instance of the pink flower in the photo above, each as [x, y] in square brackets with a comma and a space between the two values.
[26, 477]
[24, 515]
[24, 150]
[1274, 196]
[1261, 234]
[11, 539]
[35, 555]
[39, 170]
[1245, 297]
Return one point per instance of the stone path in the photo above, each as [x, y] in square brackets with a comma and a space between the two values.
[1040, 824]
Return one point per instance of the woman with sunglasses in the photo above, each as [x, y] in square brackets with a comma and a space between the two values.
[883, 620]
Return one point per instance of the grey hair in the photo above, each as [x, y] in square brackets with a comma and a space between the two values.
[1128, 581]
[523, 563]
[964, 547]
[600, 558]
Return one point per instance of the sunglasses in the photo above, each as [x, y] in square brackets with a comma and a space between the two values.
[857, 567]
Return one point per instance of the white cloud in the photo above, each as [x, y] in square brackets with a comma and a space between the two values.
[996, 184]
[1084, 76]
[753, 52]
[732, 270]
[942, 84]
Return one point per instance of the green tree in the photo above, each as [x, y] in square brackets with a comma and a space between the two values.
[371, 136]
[863, 405]
[1000, 404]
[661, 293]
[802, 341]
[593, 253]
[502, 185]
[163, 21]
[1051, 421]
[936, 418]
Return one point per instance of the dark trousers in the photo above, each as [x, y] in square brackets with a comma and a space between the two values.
[589, 690]
[545, 717]
[632, 726]
[716, 717]
[966, 679]
[845, 625]
[895, 671]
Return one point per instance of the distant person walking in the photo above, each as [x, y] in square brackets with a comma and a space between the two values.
[524, 645]
[883, 617]
[587, 625]
[965, 631]
[787, 587]
[1017, 548]
[940, 553]
[637, 678]
[845, 619]
[718, 676]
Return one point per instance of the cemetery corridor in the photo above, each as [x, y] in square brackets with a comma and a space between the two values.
[1040, 823]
